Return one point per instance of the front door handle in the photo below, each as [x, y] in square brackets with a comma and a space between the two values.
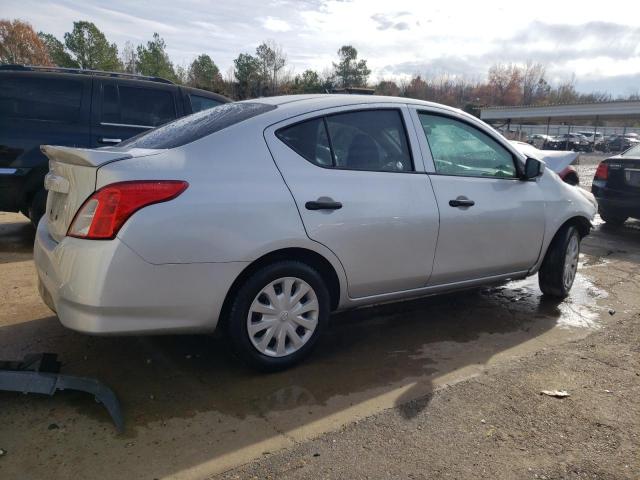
[109, 140]
[461, 202]
[323, 205]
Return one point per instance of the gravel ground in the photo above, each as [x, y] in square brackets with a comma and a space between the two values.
[497, 425]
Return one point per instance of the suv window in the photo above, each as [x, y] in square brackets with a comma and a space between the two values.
[193, 127]
[458, 148]
[45, 99]
[199, 103]
[372, 140]
[141, 106]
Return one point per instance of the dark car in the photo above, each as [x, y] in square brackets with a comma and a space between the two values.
[77, 108]
[570, 141]
[616, 186]
[620, 143]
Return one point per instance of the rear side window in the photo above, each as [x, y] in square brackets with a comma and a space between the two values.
[49, 100]
[309, 139]
[199, 103]
[193, 127]
[139, 106]
[373, 140]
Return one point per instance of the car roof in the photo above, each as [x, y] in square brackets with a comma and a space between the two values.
[293, 105]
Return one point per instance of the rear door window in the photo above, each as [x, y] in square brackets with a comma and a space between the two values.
[199, 103]
[44, 99]
[373, 140]
[139, 106]
[309, 140]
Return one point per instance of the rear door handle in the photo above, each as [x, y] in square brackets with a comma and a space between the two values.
[109, 140]
[323, 205]
[461, 202]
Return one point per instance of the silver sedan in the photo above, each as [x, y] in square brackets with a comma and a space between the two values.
[262, 217]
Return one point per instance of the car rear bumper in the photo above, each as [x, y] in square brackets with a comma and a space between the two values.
[104, 287]
[615, 201]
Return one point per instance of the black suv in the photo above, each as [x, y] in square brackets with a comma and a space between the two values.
[78, 108]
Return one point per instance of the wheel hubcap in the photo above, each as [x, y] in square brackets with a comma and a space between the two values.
[571, 261]
[283, 317]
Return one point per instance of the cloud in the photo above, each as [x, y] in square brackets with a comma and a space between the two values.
[387, 21]
[275, 25]
[399, 38]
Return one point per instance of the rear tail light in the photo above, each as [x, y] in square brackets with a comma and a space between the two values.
[105, 211]
[602, 172]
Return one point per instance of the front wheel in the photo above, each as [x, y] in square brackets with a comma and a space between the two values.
[278, 314]
[560, 264]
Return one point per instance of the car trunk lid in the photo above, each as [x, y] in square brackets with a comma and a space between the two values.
[624, 174]
[72, 179]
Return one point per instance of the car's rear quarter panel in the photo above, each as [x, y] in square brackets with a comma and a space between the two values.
[235, 205]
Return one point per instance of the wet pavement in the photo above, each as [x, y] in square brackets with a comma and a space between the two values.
[192, 410]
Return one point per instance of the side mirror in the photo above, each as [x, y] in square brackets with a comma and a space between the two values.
[532, 169]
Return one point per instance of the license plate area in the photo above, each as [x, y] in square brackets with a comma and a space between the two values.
[632, 177]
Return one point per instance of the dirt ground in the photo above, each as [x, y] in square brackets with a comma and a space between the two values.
[442, 387]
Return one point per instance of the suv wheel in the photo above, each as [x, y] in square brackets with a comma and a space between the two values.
[560, 264]
[37, 207]
[278, 314]
[612, 219]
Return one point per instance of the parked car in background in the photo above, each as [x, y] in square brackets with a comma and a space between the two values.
[619, 143]
[539, 140]
[570, 141]
[594, 139]
[77, 108]
[261, 217]
[616, 186]
[558, 161]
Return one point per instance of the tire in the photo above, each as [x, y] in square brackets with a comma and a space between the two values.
[613, 220]
[37, 207]
[560, 264]
[572, 179]
[271, 348]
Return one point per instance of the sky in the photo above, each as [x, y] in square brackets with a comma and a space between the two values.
[598, 43]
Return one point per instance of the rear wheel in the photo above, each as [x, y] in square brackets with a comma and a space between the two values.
[615, 220]
[37, 207]
[560, 264]
[278, 314]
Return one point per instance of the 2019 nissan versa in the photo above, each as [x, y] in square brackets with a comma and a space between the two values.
[262, 217]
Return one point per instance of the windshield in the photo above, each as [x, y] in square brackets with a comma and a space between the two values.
[193, 127]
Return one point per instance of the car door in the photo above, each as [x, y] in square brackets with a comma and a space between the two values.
[123, 108]
[352, 175]
[491, 222]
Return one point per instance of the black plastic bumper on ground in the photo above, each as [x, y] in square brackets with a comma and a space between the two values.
[39, 374]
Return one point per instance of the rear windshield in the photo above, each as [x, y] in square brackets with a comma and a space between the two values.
[632, 152]
[193, 127]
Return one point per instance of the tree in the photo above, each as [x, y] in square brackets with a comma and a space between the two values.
[153, 59]
[204, 73]
[248, 74]
[534, 85]
[129, 58]
[308, 82]
[387, 87]
[349, 71]
[505, 82]
[57, 53]
[272, 59]
[19, 43]
[90, 47]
